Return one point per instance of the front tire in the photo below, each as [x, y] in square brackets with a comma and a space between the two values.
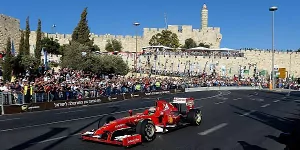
[194, 117]
[146, 129]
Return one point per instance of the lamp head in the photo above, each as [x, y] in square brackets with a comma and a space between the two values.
[273, 8]
[136, 24]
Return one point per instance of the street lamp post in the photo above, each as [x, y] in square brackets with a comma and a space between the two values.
[136, 44]
[290, 71]
[273, 9]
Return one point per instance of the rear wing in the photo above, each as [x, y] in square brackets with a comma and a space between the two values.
[189, 102]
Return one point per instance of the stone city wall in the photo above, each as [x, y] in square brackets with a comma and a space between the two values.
[9, 27]
[210, 35]
[263, 59]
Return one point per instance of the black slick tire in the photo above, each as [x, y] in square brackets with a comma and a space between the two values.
[194, 117]
[146, 129]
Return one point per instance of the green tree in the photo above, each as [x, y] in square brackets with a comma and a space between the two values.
[22, 43]
[298, 50]
[95, 48]
[27, 35]
[113, 45]
[109, 64]
[204, 45]
[189, 43]
[38, 45]
[165, 38]
[7, 67]
[81, 33]
[76, 56]
[29, 61]
[79, 57]
[17, 66]
[50, 45]
[62, 49]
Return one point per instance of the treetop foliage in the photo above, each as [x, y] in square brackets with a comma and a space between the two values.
[27, 35]
[113, 45]
[165, 38]
[81, 33]
[80, 57]
[7, 67]
[51, 45]
[189, 43]
[38, 45]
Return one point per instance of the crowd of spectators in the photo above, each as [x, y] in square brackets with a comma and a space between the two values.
[73, 84]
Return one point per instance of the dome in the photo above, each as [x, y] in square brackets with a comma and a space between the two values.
[204, 6]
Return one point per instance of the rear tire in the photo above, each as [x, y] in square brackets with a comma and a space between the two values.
[194, 117]
[105, 120]
[146, 129]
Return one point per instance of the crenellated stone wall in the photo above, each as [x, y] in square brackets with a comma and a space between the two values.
[210, 35]
[261, 58]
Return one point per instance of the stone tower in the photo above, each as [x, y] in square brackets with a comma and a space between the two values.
[204, 17]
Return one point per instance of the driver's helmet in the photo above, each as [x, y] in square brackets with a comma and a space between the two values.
[151, 110]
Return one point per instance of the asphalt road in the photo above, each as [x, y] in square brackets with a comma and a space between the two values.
[232, 120]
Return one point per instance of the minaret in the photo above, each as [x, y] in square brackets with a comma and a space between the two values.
[204, 17]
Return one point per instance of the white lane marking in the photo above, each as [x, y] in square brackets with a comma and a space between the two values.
[220, 93]
[265, 105]
[276, 101]
[198, 107]
[9, 119]
[297, 100]
[248, 113]
[255, 93]
[215, 128]
[283, 98]
[250, 95]
[237, 99]
[69, 120]
[70, 111]
[220, 102]
[260, 100]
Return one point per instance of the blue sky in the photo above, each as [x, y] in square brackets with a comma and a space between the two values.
[243, 23]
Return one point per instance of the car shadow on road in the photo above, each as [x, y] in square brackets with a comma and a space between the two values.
[247, 146]
[55, 131]
[36, 140]
[289, 127]
[51, 146]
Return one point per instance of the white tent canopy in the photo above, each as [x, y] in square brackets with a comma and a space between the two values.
[211, 49]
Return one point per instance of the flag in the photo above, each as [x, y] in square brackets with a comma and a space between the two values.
[45, 58]
[13, 51]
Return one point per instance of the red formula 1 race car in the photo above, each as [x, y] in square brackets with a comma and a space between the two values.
[142, 127]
